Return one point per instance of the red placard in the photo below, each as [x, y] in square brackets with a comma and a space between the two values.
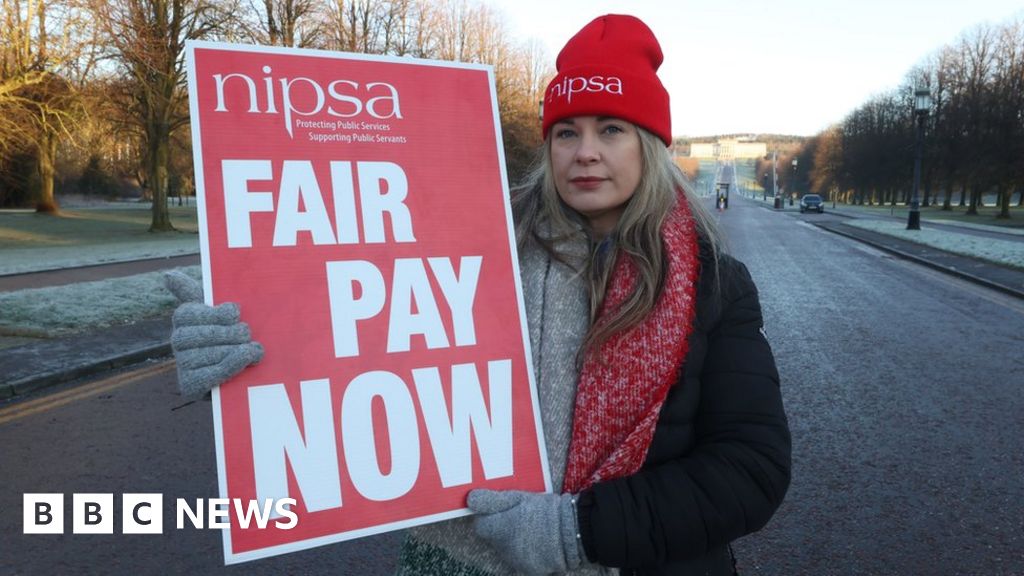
[356, 208]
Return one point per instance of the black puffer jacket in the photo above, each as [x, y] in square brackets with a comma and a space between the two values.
[719, 464]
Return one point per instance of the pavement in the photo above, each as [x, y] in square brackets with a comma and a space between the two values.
[36, 365]
[39, 364]
[92, 273]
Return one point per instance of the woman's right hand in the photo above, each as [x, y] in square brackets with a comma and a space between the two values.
[210, 343]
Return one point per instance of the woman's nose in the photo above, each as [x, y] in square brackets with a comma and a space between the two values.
[587, 152]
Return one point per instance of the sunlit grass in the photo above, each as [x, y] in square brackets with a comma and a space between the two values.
[89, 226]
[78, 237]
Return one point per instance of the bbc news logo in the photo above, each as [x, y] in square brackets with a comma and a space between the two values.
[143, 513]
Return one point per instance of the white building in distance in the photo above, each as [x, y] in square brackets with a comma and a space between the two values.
[727, 149]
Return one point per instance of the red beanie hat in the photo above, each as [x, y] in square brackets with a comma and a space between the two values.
[609, 68]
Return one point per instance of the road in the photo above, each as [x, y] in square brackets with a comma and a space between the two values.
[129, 433]
[902, 388]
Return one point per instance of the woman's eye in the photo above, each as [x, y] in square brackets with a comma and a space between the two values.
[613, 129]
[565, 133]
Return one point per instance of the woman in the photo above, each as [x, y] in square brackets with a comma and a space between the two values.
[660, 401]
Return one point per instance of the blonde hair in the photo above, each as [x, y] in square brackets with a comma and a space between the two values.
[638, 233]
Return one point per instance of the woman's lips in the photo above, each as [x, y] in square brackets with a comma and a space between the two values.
[587, 182]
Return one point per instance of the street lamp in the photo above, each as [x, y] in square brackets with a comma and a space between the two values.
[922, 103]
[775, 183]
[792, 192]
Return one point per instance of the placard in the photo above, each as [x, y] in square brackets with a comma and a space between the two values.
[356, 207]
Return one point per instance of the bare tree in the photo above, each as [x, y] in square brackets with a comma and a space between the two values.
[354, 26]
[1007, 111]
[826, 174]
[456, 30]
[975, 127]
[40, 79]
[148, 38]
[290, 23]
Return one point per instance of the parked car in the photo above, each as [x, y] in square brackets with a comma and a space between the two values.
[812, 203]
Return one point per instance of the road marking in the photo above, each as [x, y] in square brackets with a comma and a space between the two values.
[39, 405]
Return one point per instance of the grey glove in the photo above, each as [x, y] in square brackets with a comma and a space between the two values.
[210, 343]
[534, 533]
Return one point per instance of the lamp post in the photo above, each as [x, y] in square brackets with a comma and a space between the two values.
[792, 192]
[922, 103]
[775, 183]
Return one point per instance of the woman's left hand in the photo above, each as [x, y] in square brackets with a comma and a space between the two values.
[534, 533]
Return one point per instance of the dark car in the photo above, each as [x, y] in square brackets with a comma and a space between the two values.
[812, 203]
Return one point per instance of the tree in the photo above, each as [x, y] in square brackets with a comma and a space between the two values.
[290, 23]
[1007, 112]
[456, 30]
[148, 38]
[827, 176]
[39, 82]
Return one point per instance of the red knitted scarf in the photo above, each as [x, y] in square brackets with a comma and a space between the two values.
[623, 384]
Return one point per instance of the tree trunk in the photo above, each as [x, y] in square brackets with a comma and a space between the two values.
[963, 193]
[947, 202]
[1004, 200]
[159, 156]
[972, 210]
[46, 203]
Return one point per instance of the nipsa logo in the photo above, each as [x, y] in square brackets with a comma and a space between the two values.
[306, 97]
[577, 84]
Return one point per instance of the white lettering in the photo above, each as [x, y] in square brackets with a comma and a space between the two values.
[252, 511]
[392, 97]
[299, 181]
[346, 307]
[346, 101]
[312, 453]
[343, 190]
[283, 507]
[450, 434]
[356, 103]
[286, 97]
[413, 310]
[382, 188]
[411, 288]
[268, 82]
[195, 516]
[245, 512]
[357, 435]
[577, 84]
[219, 81]
[239, 202]
[459, 292]
[218, 512]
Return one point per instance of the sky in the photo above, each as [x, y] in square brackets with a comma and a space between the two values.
[779, 66]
